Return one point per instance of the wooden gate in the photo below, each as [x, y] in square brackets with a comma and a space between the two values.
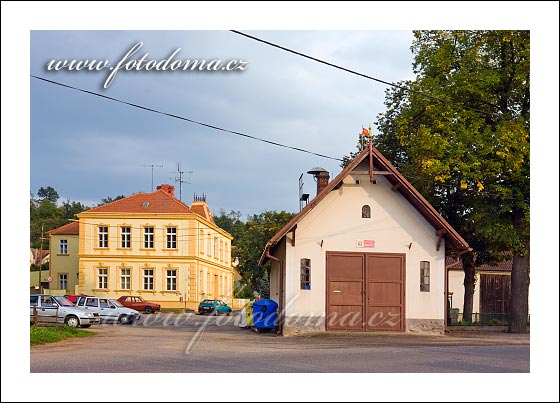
[495, 293]
[365, 291]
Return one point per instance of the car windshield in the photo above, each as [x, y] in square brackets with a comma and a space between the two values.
[116, 303]
[63, 301]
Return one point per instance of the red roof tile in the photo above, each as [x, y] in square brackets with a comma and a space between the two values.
[201, 208]
[504, 266]
[144, 203]
[69, 229]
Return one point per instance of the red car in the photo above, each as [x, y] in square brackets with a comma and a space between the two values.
[137, 303]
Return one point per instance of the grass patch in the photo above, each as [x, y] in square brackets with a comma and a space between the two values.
[50, 334]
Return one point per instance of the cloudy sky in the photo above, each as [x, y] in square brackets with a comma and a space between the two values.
[88, 148]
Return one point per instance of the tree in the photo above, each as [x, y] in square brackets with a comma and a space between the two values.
[249, 240]
[48, 193]
[109, 199]
[72, 208]
[466, 145]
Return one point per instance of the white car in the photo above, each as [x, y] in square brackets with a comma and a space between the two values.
[108, 309]
[56, 309]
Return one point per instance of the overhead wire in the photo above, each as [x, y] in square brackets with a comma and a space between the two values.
[186, 119]
[336, 66]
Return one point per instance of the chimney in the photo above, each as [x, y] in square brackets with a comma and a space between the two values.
[167, 189]
[322, 176]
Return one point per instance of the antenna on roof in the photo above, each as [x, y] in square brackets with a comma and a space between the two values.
[303, 197]
[152, 166]
[180, 179]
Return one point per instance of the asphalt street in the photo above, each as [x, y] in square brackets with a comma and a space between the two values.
[188, 343]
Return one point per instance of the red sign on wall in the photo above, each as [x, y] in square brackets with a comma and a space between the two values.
[366, 243]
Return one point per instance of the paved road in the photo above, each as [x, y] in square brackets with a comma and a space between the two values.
[191, 343]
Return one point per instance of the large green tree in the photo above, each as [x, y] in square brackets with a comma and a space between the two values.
[249, 240]
[460, 133]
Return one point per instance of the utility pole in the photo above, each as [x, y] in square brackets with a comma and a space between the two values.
[38, 261]
[180, 179]
[152, 166]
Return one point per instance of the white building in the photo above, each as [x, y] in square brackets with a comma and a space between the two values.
[363, 256]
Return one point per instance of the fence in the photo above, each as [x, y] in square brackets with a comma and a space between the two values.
[48, 315]
[456, 318]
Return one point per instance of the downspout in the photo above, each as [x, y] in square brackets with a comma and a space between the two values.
[446, 281]
[280, 289]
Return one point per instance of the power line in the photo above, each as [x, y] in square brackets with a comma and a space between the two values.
[185, 119]
[363, 75]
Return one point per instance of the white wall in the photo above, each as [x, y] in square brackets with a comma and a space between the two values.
[337, 222]
[457, 287]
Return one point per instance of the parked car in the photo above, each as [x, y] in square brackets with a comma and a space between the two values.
[73, 298]
[214, 306]
[138, 303]
[108, 309]
[57, 309]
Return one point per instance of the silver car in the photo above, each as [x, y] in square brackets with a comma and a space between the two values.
[54, 309]
[108, 309]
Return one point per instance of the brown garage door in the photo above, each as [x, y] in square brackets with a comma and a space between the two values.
[365, 291]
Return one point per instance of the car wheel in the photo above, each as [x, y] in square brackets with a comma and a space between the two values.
[215, 312]
[149, 309]
[228, 312]
[123, 319]
[72, 321]
[85, 326]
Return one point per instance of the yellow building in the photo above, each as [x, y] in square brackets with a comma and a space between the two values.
[64, 246]
[152, 245]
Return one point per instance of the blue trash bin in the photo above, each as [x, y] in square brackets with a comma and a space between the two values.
[265, 314]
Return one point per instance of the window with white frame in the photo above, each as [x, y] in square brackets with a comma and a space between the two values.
[125, 237]
[171, 238]
[103, 278]
[209, 244]
[201, 241]
[62, 281]
[148, 237]
[221, 250]
[125, 279]
[215, 248]
[148, 279]
[103, 237]
[171, 280]
[425, 276]
[63, 247]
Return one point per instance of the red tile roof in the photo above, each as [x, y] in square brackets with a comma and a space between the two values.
[504, 266]
[201, 208]
[144, 203]
[69, 229]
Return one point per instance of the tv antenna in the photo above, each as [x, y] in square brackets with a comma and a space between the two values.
[303, 197]
[180, 179]
[152, 166]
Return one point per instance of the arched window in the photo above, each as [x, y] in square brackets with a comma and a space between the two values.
[366, 211]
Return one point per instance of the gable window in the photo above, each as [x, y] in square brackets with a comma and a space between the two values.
[103, 278]
[305, 274]
[366, 211]
[425, 276]
[171, 280]
[125, 279]
[103, 237]
[125, 237]
[148, 237]
[62, 281]
[63, 247]
[171, 238]
[148, 279]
